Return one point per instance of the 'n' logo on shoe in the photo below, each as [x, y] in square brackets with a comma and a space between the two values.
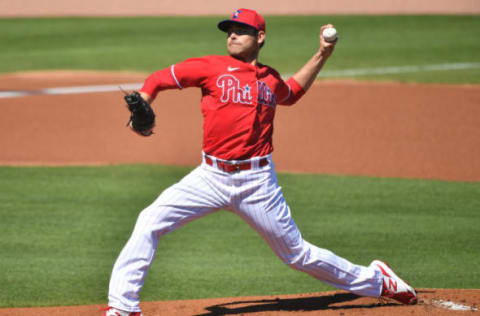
[392, 284]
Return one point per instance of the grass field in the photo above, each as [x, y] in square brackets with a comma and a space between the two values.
[62, 228]
[147, 44]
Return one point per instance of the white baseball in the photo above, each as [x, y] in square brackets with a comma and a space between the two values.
[330, 34]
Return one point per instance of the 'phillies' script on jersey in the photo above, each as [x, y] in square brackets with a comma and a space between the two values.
[233, 92]
[238, 102]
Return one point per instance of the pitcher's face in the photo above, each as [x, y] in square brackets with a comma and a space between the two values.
[244, 41]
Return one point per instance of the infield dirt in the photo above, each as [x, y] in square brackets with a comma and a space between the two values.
[339, 127]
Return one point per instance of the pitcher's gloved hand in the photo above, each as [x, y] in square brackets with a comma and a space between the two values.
[142, 119]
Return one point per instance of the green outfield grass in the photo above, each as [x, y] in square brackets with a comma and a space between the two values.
[147, 44]
[61, 229]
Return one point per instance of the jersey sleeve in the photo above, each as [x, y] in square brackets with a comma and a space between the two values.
[290, 92]
[158, 81]
[189, 73]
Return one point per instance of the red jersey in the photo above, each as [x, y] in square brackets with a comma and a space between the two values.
[238, 102]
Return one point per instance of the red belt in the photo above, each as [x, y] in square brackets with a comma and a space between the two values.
[231, 167]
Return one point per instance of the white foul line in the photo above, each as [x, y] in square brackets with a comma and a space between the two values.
[323, 74]
[70, 90]
[397, 70]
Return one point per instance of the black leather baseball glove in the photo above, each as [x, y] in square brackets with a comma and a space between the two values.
[142, 119]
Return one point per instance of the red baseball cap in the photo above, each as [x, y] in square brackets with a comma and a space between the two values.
[246, 17]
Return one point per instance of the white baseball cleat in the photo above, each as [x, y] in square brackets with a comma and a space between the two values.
[394, 287]
[112, 311]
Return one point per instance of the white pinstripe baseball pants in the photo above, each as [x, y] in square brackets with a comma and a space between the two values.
[256, 197]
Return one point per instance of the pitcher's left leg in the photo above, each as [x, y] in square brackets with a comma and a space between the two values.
[197, 194]
[263, 206]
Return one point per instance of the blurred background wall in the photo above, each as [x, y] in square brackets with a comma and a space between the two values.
[17, 8]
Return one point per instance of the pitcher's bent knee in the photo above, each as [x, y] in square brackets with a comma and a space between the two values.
[154, 220]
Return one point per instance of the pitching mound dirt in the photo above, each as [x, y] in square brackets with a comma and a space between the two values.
[433, 302]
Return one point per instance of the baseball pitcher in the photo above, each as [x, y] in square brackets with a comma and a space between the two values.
[239, 99]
